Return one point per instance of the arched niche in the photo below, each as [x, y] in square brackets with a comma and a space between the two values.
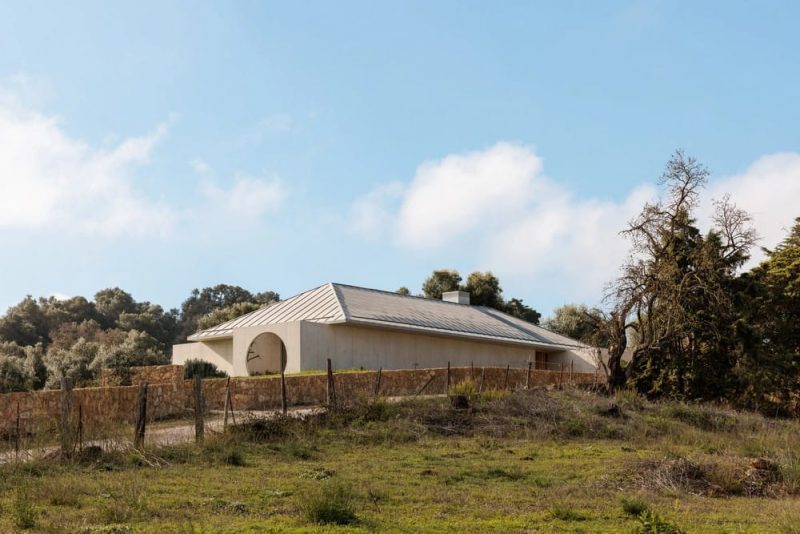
[266, 354]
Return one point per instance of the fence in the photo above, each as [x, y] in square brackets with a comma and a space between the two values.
[38, 420]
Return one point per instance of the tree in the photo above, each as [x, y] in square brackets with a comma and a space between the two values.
[151, 318]
[24, 323]
[13, 375]
[675, 292]
[75, 363]
[580, 322]
[226, 314]
[441, 281]
[518, 309]
[138, 349]
[111, 303]
[202, 302]
[768, 331]
[403, 290]
[484, 290]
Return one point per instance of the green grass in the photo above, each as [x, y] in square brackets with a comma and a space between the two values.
[531, 461]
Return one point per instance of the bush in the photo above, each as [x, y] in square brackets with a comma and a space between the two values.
[23, 510]
[652, 523]
[633, 507]
[329, 502]
[13, 374]
[565, 512]
[467, 388]
[192, 368]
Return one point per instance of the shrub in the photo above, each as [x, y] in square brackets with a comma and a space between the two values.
[467, 388]
[329, 502]
[565, 512]
[633, 507]
[494, 394]
[652, 523]
[13, 374]
[192, 368]
[22, 509]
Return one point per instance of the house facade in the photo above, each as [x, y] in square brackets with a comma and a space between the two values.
[366, 328]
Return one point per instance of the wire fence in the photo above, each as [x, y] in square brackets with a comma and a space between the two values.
[74, 422]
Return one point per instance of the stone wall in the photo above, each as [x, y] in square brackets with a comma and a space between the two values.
[104, 407]
[152, 374]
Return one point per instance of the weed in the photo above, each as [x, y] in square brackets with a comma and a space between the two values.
[466, 388]
[330, 502]
[633, 506]
[23, 510]
[565, 512]
[652, 523]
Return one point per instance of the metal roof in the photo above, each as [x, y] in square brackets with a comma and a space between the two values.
[340, 303]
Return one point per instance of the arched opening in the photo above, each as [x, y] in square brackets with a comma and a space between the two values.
[266, 354]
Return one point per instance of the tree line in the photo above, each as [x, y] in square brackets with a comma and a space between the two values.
[45, 339]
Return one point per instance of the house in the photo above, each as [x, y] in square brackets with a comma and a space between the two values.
[358, 327]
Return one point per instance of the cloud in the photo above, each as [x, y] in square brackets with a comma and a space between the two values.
[496, 209]
[247, 197]
[372, 213]
[51, 180]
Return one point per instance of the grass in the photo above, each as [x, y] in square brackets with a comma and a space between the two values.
[544, 461]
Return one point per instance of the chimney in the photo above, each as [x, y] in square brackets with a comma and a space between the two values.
[458, 297]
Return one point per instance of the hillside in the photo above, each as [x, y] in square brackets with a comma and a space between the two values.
[541, 460]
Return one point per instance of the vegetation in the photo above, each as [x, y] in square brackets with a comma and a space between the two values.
[547, 461]
[44, 340]
[484, 289]
[192, 368]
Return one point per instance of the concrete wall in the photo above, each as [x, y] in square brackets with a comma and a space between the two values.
[309, 345]
[352, 346]
[219, 352]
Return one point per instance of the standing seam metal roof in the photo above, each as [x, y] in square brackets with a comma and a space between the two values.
[340, 303]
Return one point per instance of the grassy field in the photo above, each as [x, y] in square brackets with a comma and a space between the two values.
[538, 461]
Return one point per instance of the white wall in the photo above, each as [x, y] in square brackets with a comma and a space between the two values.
[219, 352]
[352, 346]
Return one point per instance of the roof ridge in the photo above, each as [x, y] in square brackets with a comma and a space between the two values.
[396, 294]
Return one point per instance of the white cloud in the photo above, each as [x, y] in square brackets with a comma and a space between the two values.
[452, 196]
[496, 209]
[248, 197]
[372, 213]
[51, 180]
[199, 166]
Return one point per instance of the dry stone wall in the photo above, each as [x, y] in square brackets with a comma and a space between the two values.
[104, 406]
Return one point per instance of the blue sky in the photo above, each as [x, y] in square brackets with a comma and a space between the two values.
[162, 146]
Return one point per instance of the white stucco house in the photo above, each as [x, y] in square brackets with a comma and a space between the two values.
[366, 328]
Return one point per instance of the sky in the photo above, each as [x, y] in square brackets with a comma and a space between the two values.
[163, 146]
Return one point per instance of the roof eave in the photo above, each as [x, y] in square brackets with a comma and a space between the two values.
[462, 335]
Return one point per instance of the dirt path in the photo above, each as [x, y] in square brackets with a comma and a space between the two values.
[158, 434]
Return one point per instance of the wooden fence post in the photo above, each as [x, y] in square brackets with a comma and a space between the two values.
[228, 405]
[141, 417]
[528, 376]
[472, 371]
[433, 375]
[561, 376]
[284, 401]
[483, 379]
[447, 392]
[199, 425]
[16, 436]
[331, 389]
[571, 369]
[66, 414]
[80, 428]
[378, 381]
[505, 382]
